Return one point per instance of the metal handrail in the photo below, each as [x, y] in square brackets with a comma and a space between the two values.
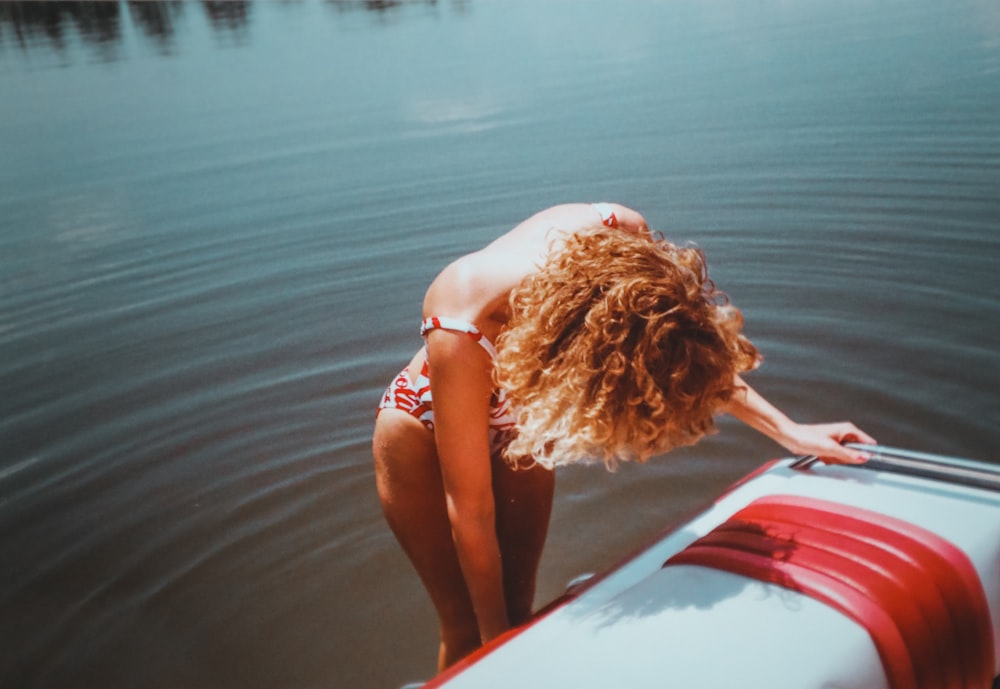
[965, 472]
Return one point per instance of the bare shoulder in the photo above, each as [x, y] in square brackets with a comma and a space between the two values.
[558, 222]
[476, 286]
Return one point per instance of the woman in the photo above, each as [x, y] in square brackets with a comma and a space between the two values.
[577, 335]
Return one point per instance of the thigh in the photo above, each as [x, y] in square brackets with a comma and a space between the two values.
[523, 500]
[408, 477]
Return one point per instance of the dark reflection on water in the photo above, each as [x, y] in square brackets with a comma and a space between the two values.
[226, 15]
[46, 25]
[157, 20]
[212, 261]
[98, 23]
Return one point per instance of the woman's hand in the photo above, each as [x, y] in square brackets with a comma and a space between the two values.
[822, 440]
[825, 441]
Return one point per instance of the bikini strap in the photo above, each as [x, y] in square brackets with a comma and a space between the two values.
[607, 213]
[458, 325]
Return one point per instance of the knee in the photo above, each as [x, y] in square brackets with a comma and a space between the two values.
[457, 618]
[519, 612]
[458, 639]
[520, 598]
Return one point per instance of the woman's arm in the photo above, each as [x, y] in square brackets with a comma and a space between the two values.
[461, 385]
[822, 440]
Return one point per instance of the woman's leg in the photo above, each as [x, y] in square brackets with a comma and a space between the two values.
[523, 500]
[408, 476]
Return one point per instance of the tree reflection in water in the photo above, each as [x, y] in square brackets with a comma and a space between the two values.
[226, 16]
[156, 20]
[31, 23]
[50, 25]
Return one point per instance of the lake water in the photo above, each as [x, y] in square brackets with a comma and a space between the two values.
[217, 221]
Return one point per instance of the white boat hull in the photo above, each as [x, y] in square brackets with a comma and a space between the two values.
[782, 594]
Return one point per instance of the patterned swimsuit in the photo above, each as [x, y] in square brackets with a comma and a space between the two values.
[414, 396]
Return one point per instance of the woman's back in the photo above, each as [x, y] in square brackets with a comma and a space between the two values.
[476, 286]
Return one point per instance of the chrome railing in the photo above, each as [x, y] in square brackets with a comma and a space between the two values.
[922, 464]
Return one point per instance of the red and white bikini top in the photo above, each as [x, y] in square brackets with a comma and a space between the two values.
[458, 325]
[607, 213]
[502, 415]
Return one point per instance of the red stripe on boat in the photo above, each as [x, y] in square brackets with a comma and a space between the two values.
[917, 594]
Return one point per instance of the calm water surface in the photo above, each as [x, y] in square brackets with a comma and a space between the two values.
[217, 221]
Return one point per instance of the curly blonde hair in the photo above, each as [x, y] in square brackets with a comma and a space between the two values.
[619, 348]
